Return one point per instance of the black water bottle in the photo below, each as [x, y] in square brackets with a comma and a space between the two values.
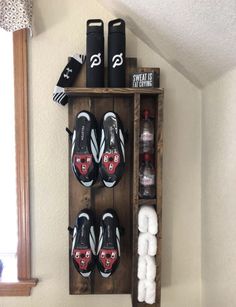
[116, 53]
[95, 53]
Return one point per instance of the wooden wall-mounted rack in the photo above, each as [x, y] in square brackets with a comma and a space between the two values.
[128, 103]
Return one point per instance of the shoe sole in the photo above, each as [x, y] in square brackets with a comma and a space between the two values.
[83, 251]
[112, 150]
[85, 149]
[108, 252]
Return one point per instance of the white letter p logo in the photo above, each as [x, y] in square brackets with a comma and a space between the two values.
[117, 60]
[96, 60]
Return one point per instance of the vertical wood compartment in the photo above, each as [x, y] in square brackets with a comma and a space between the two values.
[154, 103]
[128, 103]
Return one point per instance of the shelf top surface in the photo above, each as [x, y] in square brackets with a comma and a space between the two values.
[87, 91]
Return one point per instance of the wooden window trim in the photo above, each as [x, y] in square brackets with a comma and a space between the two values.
[23, 286]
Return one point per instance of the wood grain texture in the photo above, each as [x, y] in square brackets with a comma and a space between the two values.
[155, 105]
[152, 69]
[22, 153]
[122, 199]
[148, 103]
[79, 196]
[147, 202]
[103, 198]
[129, 104]
[20, 288]
[86, 91]
[135, 198]
[159, 159]
[147, 69]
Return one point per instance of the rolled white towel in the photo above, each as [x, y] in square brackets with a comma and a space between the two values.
[147, 291]
[147, 244]
[141, 290]
[150, 296]
[146, 267]
[147, 220]
[142, 267]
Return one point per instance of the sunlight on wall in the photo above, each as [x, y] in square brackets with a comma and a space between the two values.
[8, 213]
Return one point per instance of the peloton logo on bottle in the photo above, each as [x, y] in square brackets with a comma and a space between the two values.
[96, 60]
[117, 60]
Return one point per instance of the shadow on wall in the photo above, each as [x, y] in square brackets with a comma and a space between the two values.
[167, 225]
[1, 268]
[137, 30]
[41, 20]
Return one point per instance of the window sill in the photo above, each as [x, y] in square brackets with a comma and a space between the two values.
[18, 288]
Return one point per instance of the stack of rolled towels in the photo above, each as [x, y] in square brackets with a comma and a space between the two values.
[147, 249]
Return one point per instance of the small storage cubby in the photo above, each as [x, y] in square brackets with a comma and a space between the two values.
[129, 104]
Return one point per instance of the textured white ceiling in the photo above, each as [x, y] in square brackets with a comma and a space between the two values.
[197, 37]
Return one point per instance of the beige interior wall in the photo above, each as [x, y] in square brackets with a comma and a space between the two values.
[219, 192]
[59, 32]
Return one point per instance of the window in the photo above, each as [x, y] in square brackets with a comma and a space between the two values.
[17, 280]
[8, 216]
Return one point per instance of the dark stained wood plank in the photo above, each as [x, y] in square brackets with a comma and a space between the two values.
[103, 197]
[150, 69]
[135, 199]
[147, 202]
[146, 305]
[79, 196]
[124, 197]
[159, 159]
[123, 106]
[85, 91]
[147, 69]
[119, 199]
[155, 107]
